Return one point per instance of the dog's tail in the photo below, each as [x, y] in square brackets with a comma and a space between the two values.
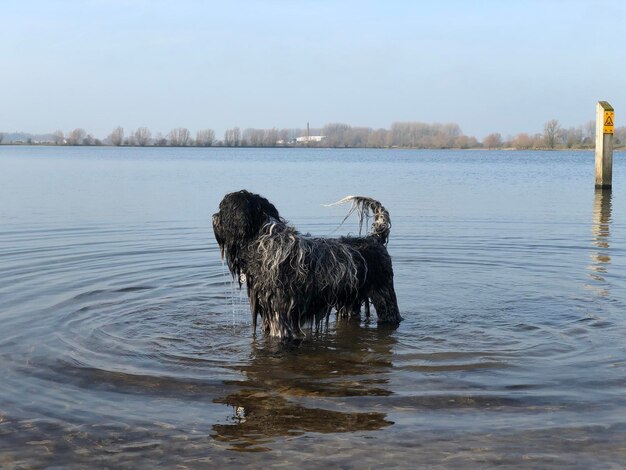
[368, 208]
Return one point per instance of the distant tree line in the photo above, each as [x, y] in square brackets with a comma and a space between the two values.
[554, 137]
[339, 135]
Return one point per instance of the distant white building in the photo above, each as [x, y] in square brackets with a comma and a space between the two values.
[311, 138]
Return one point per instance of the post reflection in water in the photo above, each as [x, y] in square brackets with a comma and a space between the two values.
[600, 255]
[319, 386]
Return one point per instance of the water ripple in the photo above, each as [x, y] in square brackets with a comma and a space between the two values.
[127, 340]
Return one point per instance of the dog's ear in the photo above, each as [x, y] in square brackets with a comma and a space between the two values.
[267, 208]
[243, 214]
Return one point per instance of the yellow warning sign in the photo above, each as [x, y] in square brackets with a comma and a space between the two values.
[609, 118]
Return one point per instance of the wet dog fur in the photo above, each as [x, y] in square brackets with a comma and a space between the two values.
[295, 279]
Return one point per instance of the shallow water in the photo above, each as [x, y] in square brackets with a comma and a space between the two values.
[124, 343]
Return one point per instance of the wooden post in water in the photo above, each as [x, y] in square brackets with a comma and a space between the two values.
[605, 120]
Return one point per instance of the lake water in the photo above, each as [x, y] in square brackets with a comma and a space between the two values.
[123, 343]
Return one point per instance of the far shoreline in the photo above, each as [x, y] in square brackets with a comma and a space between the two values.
[301, 147]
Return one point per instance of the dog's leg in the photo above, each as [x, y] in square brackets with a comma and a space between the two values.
[257, 307]
[386, 304]
[355, 310]
[284, 319]
[266, 323]
[349, 311]
[252, 298]
[340, 312]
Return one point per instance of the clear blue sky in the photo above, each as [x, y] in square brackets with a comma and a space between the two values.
[505, 66]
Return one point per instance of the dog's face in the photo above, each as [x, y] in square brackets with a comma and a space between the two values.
[241, 216]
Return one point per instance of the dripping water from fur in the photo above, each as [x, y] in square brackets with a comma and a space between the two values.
[237, 302]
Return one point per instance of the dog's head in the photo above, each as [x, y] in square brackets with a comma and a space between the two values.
[241, 216]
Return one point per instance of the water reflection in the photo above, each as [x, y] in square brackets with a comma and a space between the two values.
[600, 255]
[320, 386]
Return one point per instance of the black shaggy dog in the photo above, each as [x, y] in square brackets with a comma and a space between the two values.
[295, 279]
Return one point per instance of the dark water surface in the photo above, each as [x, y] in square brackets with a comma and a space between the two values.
[124, 344]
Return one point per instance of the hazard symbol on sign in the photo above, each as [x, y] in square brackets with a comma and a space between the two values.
[609, 117]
